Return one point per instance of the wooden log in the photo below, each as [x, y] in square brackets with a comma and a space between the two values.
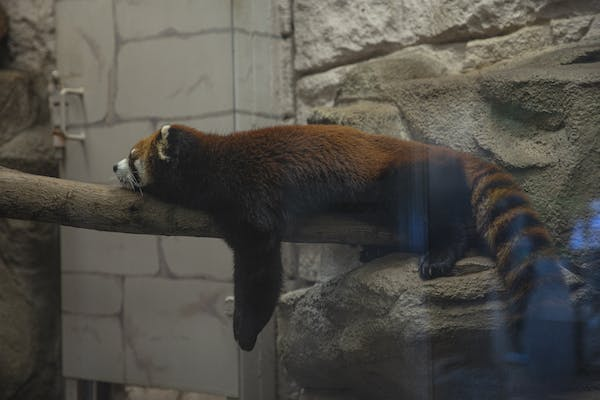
[112, 208]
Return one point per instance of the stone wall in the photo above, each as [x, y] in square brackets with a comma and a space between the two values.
[29, 253]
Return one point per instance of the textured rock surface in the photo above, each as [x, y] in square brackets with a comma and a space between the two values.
[537, 115]
[29, 254]
[336, 32]
[17, 341]
[30, 296]
[489, 51]
[415, 62]
[380, 332]
[31, 34]
[18, 105]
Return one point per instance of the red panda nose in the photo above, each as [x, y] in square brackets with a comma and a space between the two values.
[115, 167]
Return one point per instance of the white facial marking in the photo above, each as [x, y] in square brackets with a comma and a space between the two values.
[165, 131]
[123, 172]
[161, 151]
[141, 172]
[163, 143]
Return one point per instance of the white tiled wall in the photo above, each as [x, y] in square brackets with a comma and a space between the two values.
[143, 309]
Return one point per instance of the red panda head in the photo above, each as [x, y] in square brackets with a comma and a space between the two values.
[136, 170]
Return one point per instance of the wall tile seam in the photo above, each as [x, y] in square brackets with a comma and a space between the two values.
[174, 276]
[261, 114]
[96, 273]
[176, 35]
[194, 278]
[91, 274]
[105, 316]
[260, 34]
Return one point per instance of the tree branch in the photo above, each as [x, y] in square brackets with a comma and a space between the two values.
[108, 208]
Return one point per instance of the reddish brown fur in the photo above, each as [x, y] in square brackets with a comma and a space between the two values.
[256, 182]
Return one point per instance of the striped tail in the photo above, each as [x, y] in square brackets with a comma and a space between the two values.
[540, 314]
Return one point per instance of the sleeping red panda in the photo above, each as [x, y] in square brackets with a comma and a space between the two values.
[258, 182]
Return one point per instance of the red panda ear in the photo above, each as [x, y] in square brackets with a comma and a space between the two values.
[162, 143]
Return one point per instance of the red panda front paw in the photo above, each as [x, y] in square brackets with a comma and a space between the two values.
[432, 267]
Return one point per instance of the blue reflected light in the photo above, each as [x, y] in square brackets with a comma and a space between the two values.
[586, 233]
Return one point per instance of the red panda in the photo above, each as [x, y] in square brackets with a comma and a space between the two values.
[256, 183]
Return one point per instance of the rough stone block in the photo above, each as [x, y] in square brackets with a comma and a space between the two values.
[31, 34]
[325, 38]
[319, 262]
[141, 19]
[593, 33]
[489, 51]
[91, 294]
[353, 333]
[93, 348]
[175, 81]
[18, 109]
[109, 252]
[568, 30]
[18, 344]
[85, 51]
[169, 354]
[31, 151]
[368, 116]
[318, 90]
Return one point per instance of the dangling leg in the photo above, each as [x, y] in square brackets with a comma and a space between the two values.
[257, 280]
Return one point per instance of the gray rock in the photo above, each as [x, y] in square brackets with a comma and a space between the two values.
[18, 345]
[31, 38]
[30, 282]
[19, 106]
[30, 151]
[569, 30]
[593, 32]
[379, 332]
[318, 90]
[489, 51]
[369, 116]
[333, 32]
[424, 61]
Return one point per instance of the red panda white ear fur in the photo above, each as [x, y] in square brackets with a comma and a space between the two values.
[163, 144]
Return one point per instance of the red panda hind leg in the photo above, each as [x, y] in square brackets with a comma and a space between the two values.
[257, 285]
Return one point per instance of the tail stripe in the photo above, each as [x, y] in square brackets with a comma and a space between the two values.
[528, 241]
[509, 224]
[498, 202]
[479, 171]
[511, 276]
[489, 182]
